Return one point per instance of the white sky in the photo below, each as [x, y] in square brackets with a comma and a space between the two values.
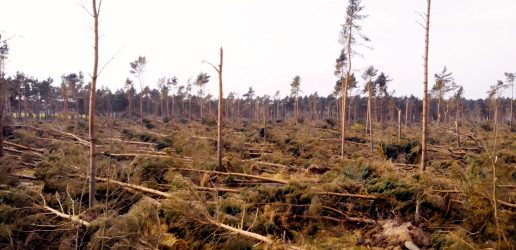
[266, 42]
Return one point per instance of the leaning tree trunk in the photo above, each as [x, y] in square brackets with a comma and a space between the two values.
[92, 134]
[219, 113]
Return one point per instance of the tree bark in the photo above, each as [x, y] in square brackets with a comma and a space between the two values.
[91, 123]
[345, 93]
[425, 92]
[2, 93]
[219, 113]
[369, 97]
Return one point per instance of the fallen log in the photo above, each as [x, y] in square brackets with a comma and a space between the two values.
[21, 147]
[137, 187]
[233, 174]
[347, 219]
[507, 204]
[359, 196]
[134, 155]
[16, 151]
[256, 160]
[131, 142]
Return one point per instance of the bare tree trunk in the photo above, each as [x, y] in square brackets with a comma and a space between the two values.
[495, 126]
[399, 125]
[2, 102]
[65, 102]
[439, 109]
[141, 107]
[425, 109]
[457, 131]
[92, 132]
[369, 97]
[406, 115]
[425, 92]
[130, 99]
[512, 98]
[219, 113]
[345, 93]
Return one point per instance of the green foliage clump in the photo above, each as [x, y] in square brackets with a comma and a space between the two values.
[152, 169]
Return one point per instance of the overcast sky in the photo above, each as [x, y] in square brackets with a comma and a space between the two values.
[266, 42]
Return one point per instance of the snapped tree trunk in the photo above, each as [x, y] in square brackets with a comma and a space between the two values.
[91, 122]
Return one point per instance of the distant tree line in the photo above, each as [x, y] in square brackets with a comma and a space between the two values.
[26, 96]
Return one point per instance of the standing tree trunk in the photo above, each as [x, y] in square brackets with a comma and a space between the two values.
[65, 102]
[512, 98]
[425, 91]
[219, 113]
[2, 94]
[369, 98]
[91, 123]
[406, 115]
[345, 94]
[425, 110]
[399, 125]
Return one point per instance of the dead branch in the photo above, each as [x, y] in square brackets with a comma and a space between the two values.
[73, 218]
[347, 219]
[16, 151]
[507, 204]
[131, 142]
[204, 138]
[21, 147]
[360, 196]
[133, 155]
[233, 174]
[137, 187]
[241, 232]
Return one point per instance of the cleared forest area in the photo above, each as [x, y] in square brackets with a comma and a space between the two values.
[83, 167]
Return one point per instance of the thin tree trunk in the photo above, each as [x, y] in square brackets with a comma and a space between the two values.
[219, 113]
[406, 115]
[369, 97]
[425, 109]
[345, 93]
[425, 92]
[92, 132]
[2, 94]
[512, 98]
[399, 125]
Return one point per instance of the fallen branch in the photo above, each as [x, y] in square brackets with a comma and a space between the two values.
[242, 232]
[137, 187]
[360, 196]
[133, 155]
[507, 204]
[204, 137]
[16, 151]
[347, 219]
[21, 147]
[73, 218]
[233, 174]
[132, 142]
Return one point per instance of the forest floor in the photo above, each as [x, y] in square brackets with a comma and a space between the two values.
[284, 187]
